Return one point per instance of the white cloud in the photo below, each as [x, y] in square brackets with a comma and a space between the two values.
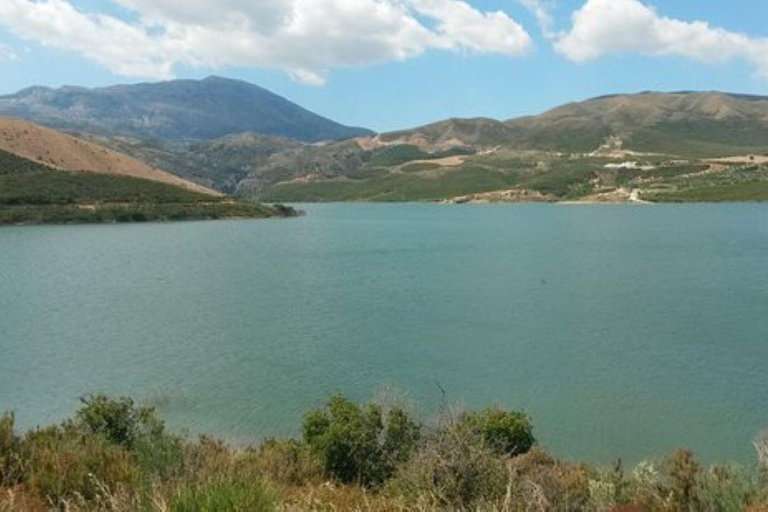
[7, 53]
[307, 38]
[610, 26]
[542, 10]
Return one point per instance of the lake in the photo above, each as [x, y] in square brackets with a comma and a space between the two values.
[624, 331]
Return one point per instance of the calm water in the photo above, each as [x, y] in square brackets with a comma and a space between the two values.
[624, 331]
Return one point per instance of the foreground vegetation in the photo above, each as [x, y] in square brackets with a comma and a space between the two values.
[115, 455]
[32, 193]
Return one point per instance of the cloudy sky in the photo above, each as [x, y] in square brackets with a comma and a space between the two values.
[389, 64]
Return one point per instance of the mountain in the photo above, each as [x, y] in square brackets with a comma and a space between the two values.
[562, 153]
[178, 110]
[73, 181]
[61, 151]
[477, 132]
[683, 123]
[607, 146]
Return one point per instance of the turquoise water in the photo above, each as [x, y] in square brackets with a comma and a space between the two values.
[624, 331]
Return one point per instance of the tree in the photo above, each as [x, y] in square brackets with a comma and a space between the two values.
[505, 432]
[360, 444]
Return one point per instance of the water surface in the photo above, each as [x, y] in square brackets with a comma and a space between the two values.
[624, 331]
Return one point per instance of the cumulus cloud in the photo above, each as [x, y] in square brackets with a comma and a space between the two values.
[609, 26]
[306, 38]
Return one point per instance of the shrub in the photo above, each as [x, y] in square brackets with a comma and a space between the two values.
[453, 468]
[683, 474]
[359, 444]
[505, 432]
[117, 419]
[541, 482]
[63, 462]
[10, 458]
[761, 447]
[285, 462]
[136, 429]
[206, 458]
[229, 495]
[727, 488]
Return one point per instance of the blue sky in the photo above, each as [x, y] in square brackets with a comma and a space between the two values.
[447, 72]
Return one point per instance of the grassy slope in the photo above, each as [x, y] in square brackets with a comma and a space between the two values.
[33, 193]
[397, 187]
[678, 126]
[752, 191]
[562, 176]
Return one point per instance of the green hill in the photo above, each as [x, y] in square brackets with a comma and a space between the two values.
[657, 143]
[34, 193]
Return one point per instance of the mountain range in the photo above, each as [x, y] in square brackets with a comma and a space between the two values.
[239, 138]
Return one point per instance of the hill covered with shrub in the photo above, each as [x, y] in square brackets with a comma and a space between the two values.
[33, 193]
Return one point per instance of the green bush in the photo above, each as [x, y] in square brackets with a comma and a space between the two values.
[359, 444]
[10, 456]
[137, 429]
[728, 488]
[226, 495]
[505, 432]
[119, 420]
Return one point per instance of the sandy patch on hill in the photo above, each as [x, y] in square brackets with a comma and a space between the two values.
[65, 152]
[512, 195]
[449, 161]
[742, 159]
[616, 196]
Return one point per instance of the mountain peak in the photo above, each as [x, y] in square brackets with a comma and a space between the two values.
[174, 110]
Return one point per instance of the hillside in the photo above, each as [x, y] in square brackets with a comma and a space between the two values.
[65, 152]
[34, 193]
[174, 110]
[219, 163]
[613, 144]
[691, 124]
[611, 148]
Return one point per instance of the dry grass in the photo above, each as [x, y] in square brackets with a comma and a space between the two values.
[65, 152]
[72, 468]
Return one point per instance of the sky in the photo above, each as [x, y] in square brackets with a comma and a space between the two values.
[392, 64]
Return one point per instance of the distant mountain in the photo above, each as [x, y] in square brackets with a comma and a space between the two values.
[61, 151]
[476, 132]
[683, 123]
[178, 110]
